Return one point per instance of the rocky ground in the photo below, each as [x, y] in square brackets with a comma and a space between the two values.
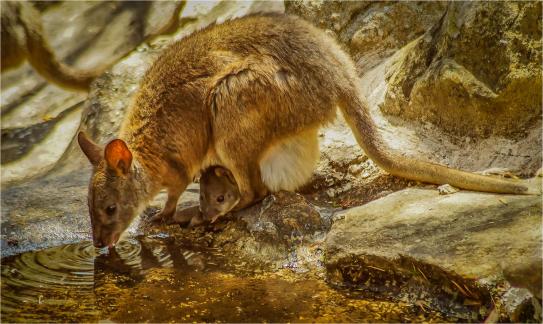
[446, 83]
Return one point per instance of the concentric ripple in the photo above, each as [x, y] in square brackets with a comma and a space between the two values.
[62, 280]
[37, 279]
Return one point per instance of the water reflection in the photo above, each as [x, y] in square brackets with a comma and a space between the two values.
[154, 279]
[51, 284]
[57, 278]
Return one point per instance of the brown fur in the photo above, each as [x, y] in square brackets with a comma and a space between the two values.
[231, 92]
[219, 193]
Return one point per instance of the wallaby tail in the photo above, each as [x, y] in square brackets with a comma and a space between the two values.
[41, 56]
[356, 112]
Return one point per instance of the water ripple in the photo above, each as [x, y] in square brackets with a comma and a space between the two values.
[64, 277]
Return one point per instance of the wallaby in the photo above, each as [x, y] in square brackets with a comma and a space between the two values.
[232, 95]
[286, 166]
[219, 193]
[23, 38]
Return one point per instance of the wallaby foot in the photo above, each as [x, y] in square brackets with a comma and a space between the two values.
[185, 216]
[169, 208]
[161, 217]
[197, 220]
[447, 189]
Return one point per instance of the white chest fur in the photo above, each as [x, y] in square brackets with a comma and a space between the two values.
[290, 164]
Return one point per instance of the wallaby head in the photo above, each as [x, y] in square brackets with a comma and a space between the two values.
[219, 193]
[116, 190]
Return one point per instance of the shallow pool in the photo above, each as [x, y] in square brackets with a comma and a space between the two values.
[154, 279]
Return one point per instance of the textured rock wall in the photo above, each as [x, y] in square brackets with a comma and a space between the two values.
[476, 73]
[370, 30]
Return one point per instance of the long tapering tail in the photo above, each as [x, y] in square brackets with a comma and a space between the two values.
[356, 112]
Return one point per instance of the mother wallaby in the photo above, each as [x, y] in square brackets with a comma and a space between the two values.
[247, 95]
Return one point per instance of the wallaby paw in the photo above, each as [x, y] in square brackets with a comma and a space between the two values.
[184, 217]
[160, 217]
[447, 189]
[157, 218]
[196, 221]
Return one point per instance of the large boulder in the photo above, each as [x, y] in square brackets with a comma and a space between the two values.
[476, 73]
[456, 245]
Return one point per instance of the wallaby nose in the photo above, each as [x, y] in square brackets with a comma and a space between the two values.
[211, 215]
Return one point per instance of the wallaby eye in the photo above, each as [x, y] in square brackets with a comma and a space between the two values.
[110, 210]
[220, 198]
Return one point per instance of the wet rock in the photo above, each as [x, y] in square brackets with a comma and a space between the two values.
[277, 229]
[45, 213]
[460, 242]
[289, 215]
[521, 306]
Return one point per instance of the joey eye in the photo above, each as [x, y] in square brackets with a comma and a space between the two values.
[110, 210]
[220, 198]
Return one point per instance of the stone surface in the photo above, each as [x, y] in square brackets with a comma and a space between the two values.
[465, 238]
[476, 73]
[39, 119]
[449, 125]
[370, 30]
[427, 141]
[345, 177]
[526, 275]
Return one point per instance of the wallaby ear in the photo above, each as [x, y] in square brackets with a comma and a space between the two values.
[118, 156]
[219, 172]
[222, 172]
[91, 150]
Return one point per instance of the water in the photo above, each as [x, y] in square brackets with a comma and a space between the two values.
[156, 280]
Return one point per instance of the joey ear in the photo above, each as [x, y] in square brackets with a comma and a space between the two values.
[91, 150]
[220, 172]
[118, 156]
[223, 172]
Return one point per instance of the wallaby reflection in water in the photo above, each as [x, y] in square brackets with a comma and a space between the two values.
[76, 283]
[132, 260]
